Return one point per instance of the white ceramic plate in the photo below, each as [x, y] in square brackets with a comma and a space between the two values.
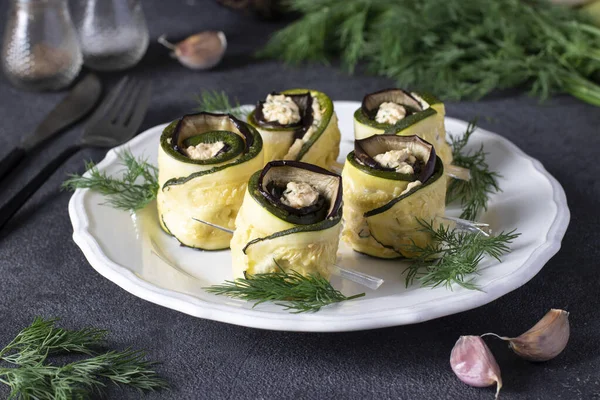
[123, 248]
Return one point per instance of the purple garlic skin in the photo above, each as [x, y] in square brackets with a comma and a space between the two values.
[546, 339]
[201, 51]
[474, 364]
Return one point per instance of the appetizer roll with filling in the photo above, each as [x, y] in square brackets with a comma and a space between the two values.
[396, 111]
[299, 125]
[389, 183]
[290, 219]
[204, 163]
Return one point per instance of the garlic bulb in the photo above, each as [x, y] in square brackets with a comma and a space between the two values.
[474, 364]
[203, 50]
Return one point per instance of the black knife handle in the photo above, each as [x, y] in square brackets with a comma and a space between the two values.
[17, 201]
[10, 161]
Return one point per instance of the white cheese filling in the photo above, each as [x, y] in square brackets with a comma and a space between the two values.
[282, 109]
[390, 113]
[299, 195]
[402, 161]
[298, 143]
[204, 151]
[411, 186]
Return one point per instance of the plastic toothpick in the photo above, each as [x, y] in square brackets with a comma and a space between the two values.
[369, 281]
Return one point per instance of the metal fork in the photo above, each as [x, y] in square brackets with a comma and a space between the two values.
[116, 120]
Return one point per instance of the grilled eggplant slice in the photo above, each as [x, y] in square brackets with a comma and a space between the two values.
[204, 163]
[398, 112]
[290, 218]
[383, 200]
[299, 125]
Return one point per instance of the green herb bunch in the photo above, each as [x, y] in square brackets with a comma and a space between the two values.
[132, 189]
[454, 256]
[31, 375]
[453, 48]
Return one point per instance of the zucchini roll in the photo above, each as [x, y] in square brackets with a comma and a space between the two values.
[389, 183]
[299, 125]
[396, 111]
[204, 163]
[290, 219]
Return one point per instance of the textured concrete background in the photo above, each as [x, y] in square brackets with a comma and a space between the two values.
[42, 272]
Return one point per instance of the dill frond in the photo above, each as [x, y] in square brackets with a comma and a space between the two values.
[473, 194]
[219, 101]
[32, 376]
[291, 290]
[134, 189]
[453, 256]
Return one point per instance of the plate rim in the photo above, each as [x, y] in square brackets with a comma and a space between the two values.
[255, 318]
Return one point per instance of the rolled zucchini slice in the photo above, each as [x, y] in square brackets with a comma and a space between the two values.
[398, 112]
[290, 219]
[389, 183]
[204, 163]
[298, 125]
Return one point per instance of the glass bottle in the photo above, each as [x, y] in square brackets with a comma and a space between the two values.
[113, 33]
[40, 50]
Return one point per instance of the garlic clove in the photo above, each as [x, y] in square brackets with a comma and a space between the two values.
[201, 51]
[546, 339]
[474, 364]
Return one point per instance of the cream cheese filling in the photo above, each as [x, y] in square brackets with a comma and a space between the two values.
[204, 151]
[402, 161]
[390, 113]
[281, 109]
[299, 195]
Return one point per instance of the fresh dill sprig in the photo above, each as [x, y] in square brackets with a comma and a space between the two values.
[32, 376]
[291, 290]
[43, 338]
[453, 255]
[473, 194]
[133, 190]
[218, 101]
[453, 48]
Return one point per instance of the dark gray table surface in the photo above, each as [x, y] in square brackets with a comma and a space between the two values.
[43, 272]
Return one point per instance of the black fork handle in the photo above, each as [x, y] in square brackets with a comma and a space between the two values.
[17, 201]
[10, 161]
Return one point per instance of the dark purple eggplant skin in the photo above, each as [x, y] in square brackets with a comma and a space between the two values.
[241, 126]
[371, 102]
[304, 103]
[361, 155]
[337, 203]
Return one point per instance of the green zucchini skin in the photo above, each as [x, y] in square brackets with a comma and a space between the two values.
[210, 190]
[265, 232]
[253, 151]
[438, 172]
[395, 176]
[401, 125]
[427, 124]
[234, 145]
[319, 226]
[380, 219]
[322, 148]
[326, 110]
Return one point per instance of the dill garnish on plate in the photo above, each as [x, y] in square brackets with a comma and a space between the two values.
[133, 189]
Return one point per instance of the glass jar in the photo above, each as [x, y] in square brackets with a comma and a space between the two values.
[113, 33]
[40, 50]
